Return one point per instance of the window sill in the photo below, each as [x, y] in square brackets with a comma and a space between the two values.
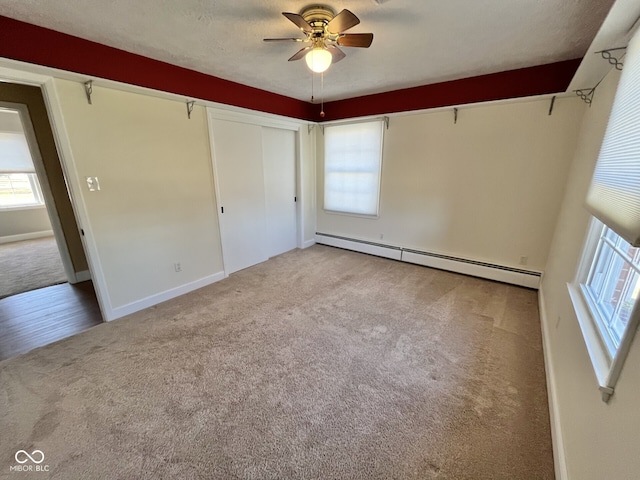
[21, 207]
[348, 214]
[600, 359]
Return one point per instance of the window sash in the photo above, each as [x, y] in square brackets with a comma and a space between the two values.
[607, 358]
[20, 190]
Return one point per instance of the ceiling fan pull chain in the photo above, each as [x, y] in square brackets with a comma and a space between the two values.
[322, 95]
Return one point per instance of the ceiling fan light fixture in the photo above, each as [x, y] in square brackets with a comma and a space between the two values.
[318, 59]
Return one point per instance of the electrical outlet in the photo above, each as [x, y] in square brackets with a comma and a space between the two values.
[524, 260]
[177, 267]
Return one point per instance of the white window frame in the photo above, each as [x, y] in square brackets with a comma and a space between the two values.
[380, 124]
[606, 358]
[35, 188]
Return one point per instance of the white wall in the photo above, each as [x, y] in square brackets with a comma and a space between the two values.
[156, 205]
[600, 440]
[486, 188]
[24, 221]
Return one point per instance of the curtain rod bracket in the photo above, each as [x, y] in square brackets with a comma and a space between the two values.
[455, 115]
[190, 108]
[88, 90]
[386, 122]
[309, 128]
[614, 60]
[586, 94]
[553, 101]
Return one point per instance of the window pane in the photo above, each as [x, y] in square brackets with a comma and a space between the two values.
[624, 299]
[614, 284]
[17, 189]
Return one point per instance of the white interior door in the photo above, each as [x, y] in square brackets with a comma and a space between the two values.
[237, 154]
[279, 165]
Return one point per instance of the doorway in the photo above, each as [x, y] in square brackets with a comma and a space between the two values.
[70, 307]
[29, 253]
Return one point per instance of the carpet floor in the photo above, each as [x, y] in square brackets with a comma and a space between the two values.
[317, 364]
[29, 265]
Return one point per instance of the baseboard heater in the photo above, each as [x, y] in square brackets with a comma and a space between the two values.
[500, 273]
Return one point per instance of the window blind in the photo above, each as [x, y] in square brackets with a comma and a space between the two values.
[614, 193]
[352, 162]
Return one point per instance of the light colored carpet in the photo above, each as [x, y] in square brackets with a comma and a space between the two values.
[317, 364]
[29, 265]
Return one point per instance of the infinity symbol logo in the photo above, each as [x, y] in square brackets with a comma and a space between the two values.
[29, 457]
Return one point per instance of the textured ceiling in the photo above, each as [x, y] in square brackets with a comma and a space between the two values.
[416, 42]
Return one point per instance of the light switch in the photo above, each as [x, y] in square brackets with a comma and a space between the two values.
[93, 184]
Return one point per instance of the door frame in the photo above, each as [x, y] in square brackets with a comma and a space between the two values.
[63, 146]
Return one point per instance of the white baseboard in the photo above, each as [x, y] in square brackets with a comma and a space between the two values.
[475, 270]
[370, 248]
[83, 276]
[26, 236]
[552, 393]
[308, 243]
[163, 296]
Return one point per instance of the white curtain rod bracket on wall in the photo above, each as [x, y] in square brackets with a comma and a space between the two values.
[586, 94]
[190, 108]
[613, 59]
[88, 90]
[386, 122]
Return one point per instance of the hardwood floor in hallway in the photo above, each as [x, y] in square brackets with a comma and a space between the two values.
[40, 317]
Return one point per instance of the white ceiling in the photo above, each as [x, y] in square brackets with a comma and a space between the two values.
[416, 42]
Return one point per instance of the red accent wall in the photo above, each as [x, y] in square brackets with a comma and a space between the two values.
[524, 82]
[42, 46]
[30, 43]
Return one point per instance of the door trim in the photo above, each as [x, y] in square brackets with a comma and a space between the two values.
[65, 154]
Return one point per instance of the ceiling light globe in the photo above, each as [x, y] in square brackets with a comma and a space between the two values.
[318, 59]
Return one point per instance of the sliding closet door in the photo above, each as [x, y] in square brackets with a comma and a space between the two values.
[279, 163]
[237, 153]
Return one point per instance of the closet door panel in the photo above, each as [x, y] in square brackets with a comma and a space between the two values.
[238, 165]
[279, 164]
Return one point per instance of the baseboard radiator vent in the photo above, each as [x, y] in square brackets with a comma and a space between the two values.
[500, 273]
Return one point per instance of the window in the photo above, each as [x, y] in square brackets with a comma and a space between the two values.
[612, 286]
[352, 163]
[18, 182]
[19, 190]
[604, 295]
[606, 287]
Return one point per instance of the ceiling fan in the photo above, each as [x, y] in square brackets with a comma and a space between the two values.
[324, 32]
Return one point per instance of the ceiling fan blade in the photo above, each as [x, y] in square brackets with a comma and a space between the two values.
[299, 54]
[355, 40]
[300, 22]
[342, 22]
[336, 53]
[285, 40]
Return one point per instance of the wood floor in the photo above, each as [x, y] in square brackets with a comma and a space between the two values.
[43, 316]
